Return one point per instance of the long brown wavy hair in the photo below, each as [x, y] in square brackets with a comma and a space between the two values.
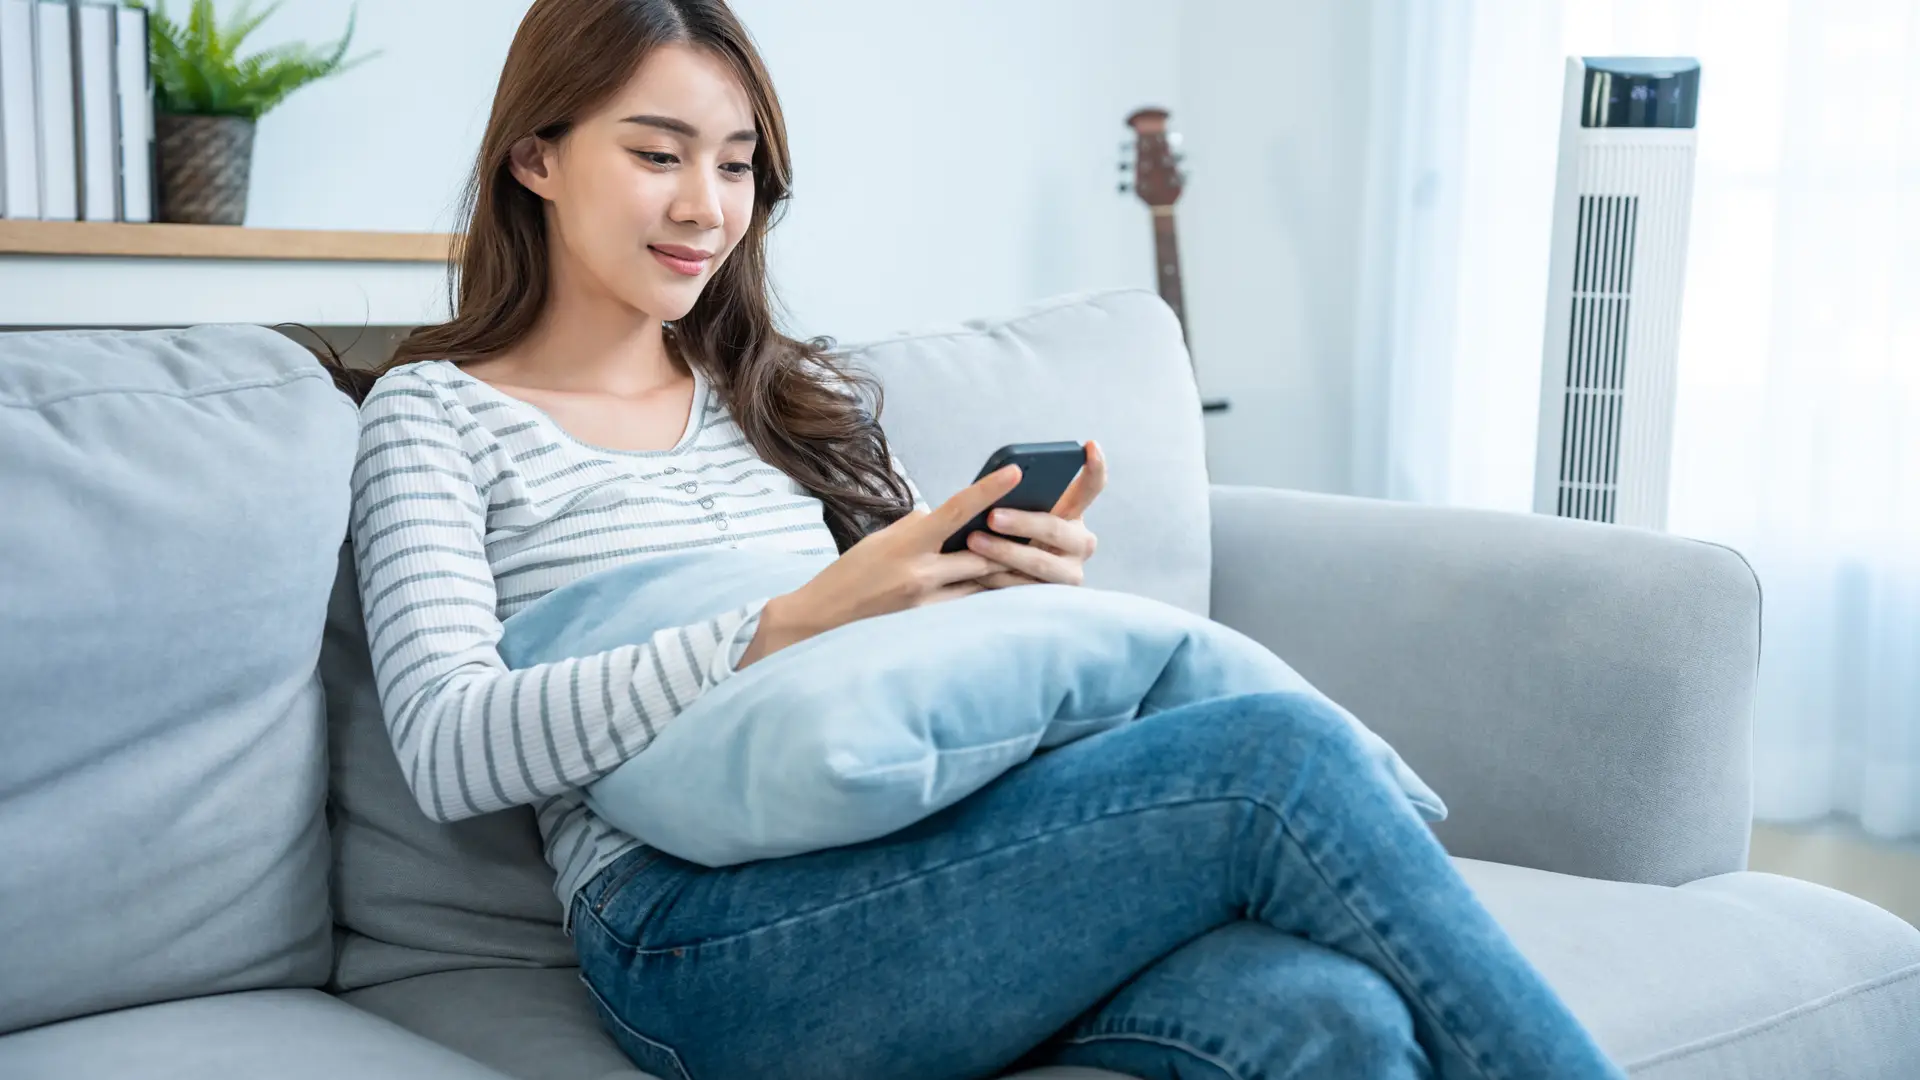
[800, 407]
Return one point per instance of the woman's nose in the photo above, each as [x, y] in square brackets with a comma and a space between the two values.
[699, 200]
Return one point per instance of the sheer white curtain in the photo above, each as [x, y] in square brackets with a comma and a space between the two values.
[1403, 340]
[1798, 426]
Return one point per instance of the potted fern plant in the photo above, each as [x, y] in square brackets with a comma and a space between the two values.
[207, 99]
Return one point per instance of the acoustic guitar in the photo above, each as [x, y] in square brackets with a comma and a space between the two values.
[1158, 179]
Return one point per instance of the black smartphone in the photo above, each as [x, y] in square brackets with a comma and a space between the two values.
[1046, 468]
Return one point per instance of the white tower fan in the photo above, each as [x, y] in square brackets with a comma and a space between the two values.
[1620, 214]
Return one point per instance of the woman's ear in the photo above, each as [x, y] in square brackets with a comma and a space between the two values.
[531, 160]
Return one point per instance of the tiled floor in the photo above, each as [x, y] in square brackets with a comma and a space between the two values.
[1832, 854]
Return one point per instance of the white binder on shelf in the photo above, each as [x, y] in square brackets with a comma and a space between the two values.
[59, 175]
[99, 141]
[135, 89]
[19, 140]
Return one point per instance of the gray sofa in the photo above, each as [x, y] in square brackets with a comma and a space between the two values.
[210, 867]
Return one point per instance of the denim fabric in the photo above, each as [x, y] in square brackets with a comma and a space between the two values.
[1226, 889]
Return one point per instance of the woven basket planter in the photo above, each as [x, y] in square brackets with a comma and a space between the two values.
[205, 163]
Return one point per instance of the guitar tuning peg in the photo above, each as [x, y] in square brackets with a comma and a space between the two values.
[1125, 188]
[1126, 166]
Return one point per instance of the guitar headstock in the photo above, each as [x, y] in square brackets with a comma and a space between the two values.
[1157, 176]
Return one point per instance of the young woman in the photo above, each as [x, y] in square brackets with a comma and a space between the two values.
[1223, 890]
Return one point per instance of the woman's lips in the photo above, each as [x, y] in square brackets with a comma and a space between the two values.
[681, 260]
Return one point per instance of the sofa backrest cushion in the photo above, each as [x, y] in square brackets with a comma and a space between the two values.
[1107, 366]
[170, 506]
[411, 895]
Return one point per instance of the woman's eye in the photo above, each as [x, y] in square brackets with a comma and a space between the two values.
[738, 169]
[655, 157]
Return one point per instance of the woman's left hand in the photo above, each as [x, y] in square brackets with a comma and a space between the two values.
[1060, 543]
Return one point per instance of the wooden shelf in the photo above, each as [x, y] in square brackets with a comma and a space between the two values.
[114, 239]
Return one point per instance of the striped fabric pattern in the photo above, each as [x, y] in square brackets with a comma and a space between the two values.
[468, 505]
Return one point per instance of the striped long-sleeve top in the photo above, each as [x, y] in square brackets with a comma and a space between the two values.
[468, 505]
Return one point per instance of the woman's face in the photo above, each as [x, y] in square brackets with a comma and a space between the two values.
[650, 193]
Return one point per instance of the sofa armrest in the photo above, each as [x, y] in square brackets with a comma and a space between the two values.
[1579, 694]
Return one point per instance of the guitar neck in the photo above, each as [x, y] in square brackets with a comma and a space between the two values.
[1166, 261]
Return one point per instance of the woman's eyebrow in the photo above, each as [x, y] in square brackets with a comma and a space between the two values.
[681, 127]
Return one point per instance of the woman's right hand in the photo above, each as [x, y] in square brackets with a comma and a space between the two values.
[891, 569]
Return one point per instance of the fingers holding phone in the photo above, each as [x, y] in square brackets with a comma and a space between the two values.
[1086, 487]
[1045, 545]
[1056, 551]
[927, 557]
[1047, 471]
[968, 506]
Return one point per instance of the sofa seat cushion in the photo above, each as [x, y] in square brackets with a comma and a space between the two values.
[1743, 975]
[1740, 975]
[282, 1034]
[532, 1024]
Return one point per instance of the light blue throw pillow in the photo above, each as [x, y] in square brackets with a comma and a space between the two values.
[868, 728]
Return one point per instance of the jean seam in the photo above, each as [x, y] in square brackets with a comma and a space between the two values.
[673, 1056]
[1160, 1040]
[640, 862]
[1413, 997]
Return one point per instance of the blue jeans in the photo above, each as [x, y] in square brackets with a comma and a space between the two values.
[1223, 890]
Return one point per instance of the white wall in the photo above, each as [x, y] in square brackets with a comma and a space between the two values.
[958, 160]
[388, 144]
[1273, 104]
[954, 161]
